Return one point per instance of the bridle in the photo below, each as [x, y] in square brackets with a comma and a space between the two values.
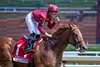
[77, 45]
[65, 42]
[75, 38]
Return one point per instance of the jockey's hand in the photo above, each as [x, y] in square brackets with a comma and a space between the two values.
[49, 35]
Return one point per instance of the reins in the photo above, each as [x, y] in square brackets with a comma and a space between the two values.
[50, 40]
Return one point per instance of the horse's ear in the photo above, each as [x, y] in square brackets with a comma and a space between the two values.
[77, 25]
[71, 26]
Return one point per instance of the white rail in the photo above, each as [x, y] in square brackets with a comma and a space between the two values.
[76, 53]
[76, 58]
[81, 66]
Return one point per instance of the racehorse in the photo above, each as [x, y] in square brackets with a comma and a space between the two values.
[6, 48]
[49, 52]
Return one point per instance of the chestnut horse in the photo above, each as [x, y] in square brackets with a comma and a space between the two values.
[6, 48]
[49, 52]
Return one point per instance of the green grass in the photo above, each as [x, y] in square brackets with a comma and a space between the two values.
[33, 3]
[90, 48]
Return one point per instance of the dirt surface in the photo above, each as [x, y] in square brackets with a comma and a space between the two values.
[14, 25]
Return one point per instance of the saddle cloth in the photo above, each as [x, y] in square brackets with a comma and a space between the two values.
[18, 53]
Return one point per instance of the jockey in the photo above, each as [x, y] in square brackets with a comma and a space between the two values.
[36, 19]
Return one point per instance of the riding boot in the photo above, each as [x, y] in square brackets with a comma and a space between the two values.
[37, 37]
[31, 35]
[30, 43]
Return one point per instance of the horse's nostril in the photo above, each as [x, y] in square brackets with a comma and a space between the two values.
[81, 48]
[85, 48]
[77, 48]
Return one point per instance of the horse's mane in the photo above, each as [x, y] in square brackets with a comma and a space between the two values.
[65, 26]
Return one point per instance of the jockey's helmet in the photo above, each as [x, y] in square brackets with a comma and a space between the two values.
[53, 11]
[53, 8]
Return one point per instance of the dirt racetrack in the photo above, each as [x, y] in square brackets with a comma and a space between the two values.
[14, 25]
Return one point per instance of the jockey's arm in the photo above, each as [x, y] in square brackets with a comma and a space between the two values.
[52, 22]
[41, 29]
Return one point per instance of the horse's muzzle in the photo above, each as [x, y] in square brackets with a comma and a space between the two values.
[81, 48]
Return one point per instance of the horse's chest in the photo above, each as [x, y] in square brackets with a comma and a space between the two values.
[47, 59]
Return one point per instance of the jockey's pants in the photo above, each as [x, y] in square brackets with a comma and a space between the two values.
[32, 24]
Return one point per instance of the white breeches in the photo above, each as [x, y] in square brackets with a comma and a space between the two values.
[32, 24]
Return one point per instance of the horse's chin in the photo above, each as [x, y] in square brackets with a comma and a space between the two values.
[81, 49]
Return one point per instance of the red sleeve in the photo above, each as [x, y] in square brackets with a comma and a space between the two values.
[51, 24]
[41, 29]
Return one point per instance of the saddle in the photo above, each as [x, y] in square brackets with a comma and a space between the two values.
[19, 54]
[31, 43]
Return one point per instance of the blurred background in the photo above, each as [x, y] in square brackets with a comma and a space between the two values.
[13, 13]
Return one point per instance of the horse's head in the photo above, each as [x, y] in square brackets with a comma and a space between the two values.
[76, 38]
[72, 34]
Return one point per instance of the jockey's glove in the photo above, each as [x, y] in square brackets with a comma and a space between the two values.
[49, 35]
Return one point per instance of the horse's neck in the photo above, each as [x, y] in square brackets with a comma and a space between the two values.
[57, 46]
[63, 39]
[60, 46]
